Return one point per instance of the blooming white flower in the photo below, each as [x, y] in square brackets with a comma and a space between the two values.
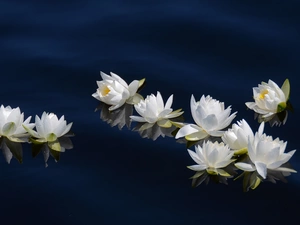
[269, 98]
[266, 154]
[211, 157]
[153, 110]
[237, 137]
[11, 121]
[114, 91]
[49, 128]
[210, 116]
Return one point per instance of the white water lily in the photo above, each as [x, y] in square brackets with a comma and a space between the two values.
[49, 128]
[211, 157]
[114, 91]
[269, 98]
[237, 137]
[11, 121]
[266, 154]
[210, 116]
[153, 110]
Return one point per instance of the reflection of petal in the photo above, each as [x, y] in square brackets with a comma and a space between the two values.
[65, 142]
[276, 119]
[153, 131]
[15, 148]
[120, 116]
[6, 152]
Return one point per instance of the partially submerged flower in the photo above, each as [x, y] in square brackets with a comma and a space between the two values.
[269, 98]
[114, 91]
[210, 116]
[11, 121]
[237, 137]
[48, 129]
[266, 154]
[212, 157]
[153, 110]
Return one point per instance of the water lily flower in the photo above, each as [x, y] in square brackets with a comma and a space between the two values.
[212, 157]
[11, 121]
[269, 98]
[114, 91]
[237, 137]
[48, 129]
[266, 154]
[153, 110]
[210, 116]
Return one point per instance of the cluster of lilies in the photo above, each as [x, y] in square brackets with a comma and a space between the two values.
[50, 134]
[220, 150]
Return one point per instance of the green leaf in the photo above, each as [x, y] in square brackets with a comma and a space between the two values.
[281, 107]
[141, 82]
[241, 151]
[36, 141]
[164, 123]
[223, 173]
[54, 145]
[286, 88]
[51, 137]
[256, 183]
[177, 124]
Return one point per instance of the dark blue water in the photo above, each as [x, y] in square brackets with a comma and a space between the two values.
[51, 53]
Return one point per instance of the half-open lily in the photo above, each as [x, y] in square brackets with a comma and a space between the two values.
[114, 91]
[11, 121]
[237, 137]
[211, 157]
[48, 129]
[210, 116]
[269, 98]
[266, 154]
[153, 110]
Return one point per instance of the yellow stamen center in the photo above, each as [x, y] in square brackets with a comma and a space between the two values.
[105, 91]
[263, 93]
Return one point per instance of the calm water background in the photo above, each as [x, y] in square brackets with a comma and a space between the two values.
[51, 53]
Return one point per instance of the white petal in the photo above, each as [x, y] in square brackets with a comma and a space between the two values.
[187, 130]
[67, 129]
[197, 167]
[160, 102]
[169, 102]
[133, 87]
[261, 169]
[245, 166]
